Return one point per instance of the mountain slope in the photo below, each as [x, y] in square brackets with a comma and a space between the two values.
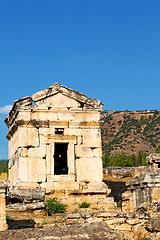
[130, 132]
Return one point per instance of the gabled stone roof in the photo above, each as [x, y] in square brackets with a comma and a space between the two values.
[56, 88]
[26, 103]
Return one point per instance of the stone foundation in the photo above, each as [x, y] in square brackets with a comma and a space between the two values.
[32, 198]
[96, 200]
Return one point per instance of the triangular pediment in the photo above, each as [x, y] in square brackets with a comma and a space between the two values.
[57, 101]
[59, 96]
[55, 97]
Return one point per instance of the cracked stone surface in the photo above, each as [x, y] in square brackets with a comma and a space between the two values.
[94, 231]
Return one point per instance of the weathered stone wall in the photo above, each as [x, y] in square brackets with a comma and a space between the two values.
[142, 190]
[3, 225]
[145, 188]
[63, 116]
[129, 224]
[128, 172]
[141, 184]
[60, 116]
[143, 222]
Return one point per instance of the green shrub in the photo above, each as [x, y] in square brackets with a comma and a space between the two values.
[53, 206]
[145, 238]
[124, 160]
[3, 166]
[84, 205]
[119, 203]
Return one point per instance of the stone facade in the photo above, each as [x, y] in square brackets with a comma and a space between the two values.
[55, 144]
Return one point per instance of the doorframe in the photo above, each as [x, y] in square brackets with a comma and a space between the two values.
[72, 141]
[66, 156]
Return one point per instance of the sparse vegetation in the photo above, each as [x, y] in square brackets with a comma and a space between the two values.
[119, 203]
[84, 205]
[54, 206]
[139, 130]
[124, 160]
[3, 166]
[145, 238]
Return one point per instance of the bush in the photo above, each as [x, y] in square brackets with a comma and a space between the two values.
[124, 160]
[119, 203]
[84, 205]
[3, 166]
[53, 206]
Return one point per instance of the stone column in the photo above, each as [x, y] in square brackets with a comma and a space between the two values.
[3, 224]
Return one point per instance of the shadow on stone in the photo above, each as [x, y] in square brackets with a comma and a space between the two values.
[20, 224]
[117, 188]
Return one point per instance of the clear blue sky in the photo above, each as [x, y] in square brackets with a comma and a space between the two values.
[106, 49]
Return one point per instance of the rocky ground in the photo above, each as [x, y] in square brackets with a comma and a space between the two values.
[94, 231]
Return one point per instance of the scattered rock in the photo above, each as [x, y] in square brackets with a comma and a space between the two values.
[94, 231]
[153, 225]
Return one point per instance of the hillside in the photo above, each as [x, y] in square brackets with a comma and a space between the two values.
[130, 132]
[3, 166]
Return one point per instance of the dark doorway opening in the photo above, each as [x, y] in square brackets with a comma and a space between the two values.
[60, 158]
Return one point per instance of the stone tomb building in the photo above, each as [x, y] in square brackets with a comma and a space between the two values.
[55, 144]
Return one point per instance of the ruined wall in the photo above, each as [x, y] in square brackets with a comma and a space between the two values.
[128, 172]
[143, 222]
[3, 225]
[142, 190]
[133, 186]
[32, 147]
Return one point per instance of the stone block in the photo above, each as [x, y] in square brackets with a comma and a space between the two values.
[124, 227]
[73, 216]
[86, 170]
[23, 175]
[126, 206]
[87, 152]
[132, 221]
[93, 220]
[126, 195]
[107, 214]
[107, 207]
[139, 231]
[40, 151]
[24, 152]
[28, 137]
[37, 170]
[156, 194]
[73, 131]
[79, 151]
[115, 221]
[3, 224]
[74, 221]
[92, 138]
[84, 124]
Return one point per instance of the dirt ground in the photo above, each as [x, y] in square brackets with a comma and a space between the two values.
[31, 219]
